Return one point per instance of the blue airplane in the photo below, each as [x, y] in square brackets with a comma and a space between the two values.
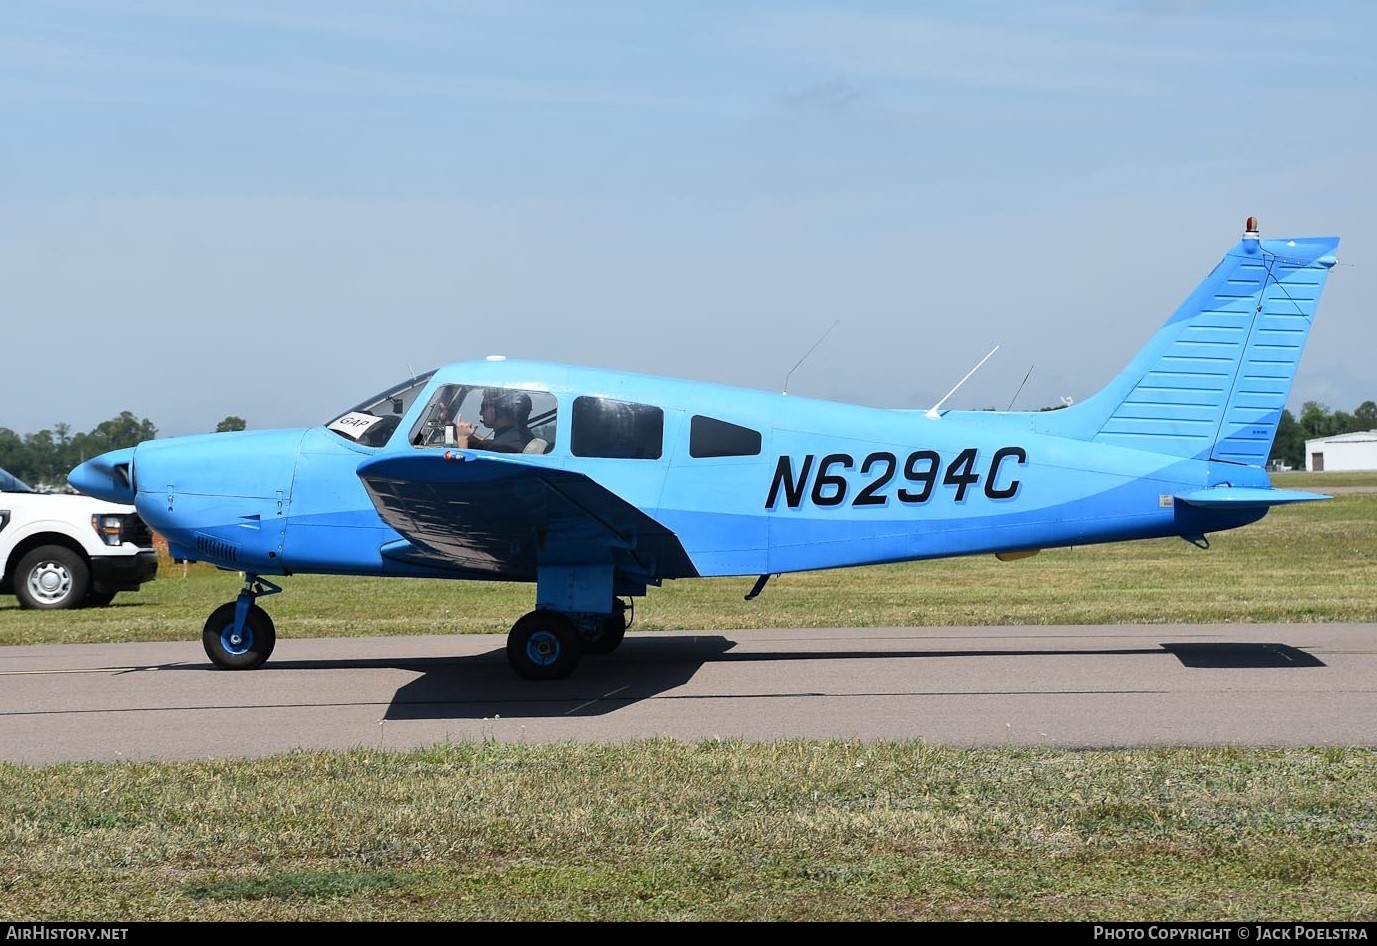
[597, 485]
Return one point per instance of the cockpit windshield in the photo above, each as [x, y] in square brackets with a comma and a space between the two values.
[372, 422]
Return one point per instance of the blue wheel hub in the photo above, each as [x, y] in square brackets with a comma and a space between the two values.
[542, 648]
[236, 643]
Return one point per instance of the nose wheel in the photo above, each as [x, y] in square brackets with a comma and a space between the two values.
[239, 635]
[241, 648]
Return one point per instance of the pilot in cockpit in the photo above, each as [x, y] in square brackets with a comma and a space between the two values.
[508, 414]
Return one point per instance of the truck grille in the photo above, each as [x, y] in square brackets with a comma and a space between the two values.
[136, 530]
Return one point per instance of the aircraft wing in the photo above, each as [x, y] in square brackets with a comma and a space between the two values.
[497, 516]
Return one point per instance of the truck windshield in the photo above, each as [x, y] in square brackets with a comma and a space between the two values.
[9, 483]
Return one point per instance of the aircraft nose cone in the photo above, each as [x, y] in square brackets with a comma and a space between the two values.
[106, 477]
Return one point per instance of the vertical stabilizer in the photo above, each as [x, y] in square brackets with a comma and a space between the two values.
[1213, 382]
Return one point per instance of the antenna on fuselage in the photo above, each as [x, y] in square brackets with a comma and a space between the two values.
[806, 354]
[932, 411]
[1020, 387]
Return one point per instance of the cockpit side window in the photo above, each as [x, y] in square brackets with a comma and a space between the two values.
[372, 422]
[505, 420]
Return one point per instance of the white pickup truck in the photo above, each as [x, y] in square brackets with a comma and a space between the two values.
[63, 550]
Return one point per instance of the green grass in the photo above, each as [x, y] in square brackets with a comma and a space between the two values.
[715, 831]
[1300, 479]
[798, 830]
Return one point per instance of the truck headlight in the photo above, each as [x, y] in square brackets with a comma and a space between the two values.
[109, 528]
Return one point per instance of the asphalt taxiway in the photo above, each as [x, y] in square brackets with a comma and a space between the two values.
[1271, 685]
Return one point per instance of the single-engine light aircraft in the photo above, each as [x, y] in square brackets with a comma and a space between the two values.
[596, 485]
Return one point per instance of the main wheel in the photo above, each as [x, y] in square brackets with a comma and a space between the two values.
[544, 645]
[606, 636]
[246, 650]
[51, 578]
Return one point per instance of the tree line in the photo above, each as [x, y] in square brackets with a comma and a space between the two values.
[43, 459]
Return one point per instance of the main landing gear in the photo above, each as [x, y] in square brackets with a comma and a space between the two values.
[547, 645]
[543, 645]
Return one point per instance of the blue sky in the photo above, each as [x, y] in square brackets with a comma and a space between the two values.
[276, 209]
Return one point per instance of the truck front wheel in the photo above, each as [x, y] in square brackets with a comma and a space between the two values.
[51, 578]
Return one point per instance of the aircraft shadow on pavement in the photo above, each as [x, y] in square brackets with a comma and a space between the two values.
[1224, 655]
[482, 686]
[1239, 656]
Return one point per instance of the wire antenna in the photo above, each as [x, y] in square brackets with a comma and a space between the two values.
[806, 354]
[1020, 388]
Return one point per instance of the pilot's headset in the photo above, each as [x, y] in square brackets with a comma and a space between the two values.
[517, 404]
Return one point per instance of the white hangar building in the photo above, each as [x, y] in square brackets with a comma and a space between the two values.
[1355, 451]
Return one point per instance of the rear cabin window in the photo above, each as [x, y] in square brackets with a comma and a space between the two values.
[604, 427]
[710, 437]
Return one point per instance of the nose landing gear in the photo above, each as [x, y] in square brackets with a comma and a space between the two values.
[239, 635]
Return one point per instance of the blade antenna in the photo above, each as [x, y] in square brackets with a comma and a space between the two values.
[806, 354]
[932, 411]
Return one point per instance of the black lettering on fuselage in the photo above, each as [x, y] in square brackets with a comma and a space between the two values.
[872, 495]
[784, 476]
[923, 472]
[925, 477]
[1000, 455]
[829, 489]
